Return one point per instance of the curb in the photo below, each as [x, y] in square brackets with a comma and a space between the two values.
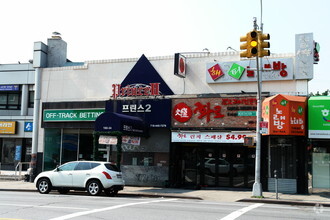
[285, 202]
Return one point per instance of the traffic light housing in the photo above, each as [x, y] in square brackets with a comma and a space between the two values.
[250, 45]
[253, 43]
[262, 44]
[244, 46]
[316, 53]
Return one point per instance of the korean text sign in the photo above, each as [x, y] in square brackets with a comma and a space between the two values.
[286, 115]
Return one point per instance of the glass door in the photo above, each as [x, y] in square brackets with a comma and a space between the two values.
[190, 167]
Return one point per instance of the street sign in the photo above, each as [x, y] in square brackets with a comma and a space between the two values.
[263, 127]
[28, 126]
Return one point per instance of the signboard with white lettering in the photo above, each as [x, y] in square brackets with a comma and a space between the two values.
[58, 115]
[245, 71]
[208, 137]
[9, 87]
[155, 112]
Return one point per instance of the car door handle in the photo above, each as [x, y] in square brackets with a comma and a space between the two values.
[87, 174]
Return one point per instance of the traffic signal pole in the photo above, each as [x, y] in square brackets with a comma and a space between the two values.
[254, 44]
[257, 187]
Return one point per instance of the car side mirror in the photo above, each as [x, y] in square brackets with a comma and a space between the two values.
[57, 169]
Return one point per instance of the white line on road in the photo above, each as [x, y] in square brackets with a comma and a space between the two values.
[73, 215]
[241, 211]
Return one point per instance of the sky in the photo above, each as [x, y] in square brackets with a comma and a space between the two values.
[111, 29]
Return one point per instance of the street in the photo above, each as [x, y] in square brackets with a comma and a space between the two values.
[34, 206]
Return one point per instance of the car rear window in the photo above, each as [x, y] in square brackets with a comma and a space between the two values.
[111, 167]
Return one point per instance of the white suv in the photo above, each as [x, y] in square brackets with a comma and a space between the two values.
[93, 176]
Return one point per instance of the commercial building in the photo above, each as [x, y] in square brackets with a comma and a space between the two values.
[16, 113]
[189, 125]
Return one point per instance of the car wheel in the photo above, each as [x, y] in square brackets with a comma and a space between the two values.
[44, 186]
[94, 187]
[111, 192]
[63, 191]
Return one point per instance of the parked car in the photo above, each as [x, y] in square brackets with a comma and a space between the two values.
[90, 176]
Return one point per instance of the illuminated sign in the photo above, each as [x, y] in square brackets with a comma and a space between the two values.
[180, 65]
[7, 127]
[52, 115]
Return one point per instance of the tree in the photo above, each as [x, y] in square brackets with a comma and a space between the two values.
[326, 93]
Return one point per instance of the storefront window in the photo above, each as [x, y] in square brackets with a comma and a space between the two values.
[321, 165]
[8, 152]
[69, 145]
[52, 148]
[64, 145]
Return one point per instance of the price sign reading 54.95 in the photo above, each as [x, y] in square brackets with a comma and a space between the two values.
[235, 136]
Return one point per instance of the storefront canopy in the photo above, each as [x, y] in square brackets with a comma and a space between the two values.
[111, 121]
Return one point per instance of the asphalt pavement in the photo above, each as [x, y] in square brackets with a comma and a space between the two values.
[210, 194]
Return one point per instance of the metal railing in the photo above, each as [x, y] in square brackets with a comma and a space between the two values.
[19, 166]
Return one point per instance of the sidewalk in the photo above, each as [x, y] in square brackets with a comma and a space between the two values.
[218, 195]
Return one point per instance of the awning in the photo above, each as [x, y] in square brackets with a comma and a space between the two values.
[111, 121]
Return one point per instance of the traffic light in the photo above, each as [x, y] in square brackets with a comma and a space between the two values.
[250, 45]
[262, 44]
[253, 43]
[316, 53]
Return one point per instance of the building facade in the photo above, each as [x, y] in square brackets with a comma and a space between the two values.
[194, 125]
[16, 114]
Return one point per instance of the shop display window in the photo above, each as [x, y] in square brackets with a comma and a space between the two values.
[52, 150]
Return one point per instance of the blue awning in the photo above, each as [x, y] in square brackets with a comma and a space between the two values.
[111, 121]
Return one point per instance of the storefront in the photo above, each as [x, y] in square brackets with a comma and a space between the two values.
[286, 134]
[208, 142]
[319, 146]
[68, 131]
[144, 130]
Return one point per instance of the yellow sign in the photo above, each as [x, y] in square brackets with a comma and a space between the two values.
[7, 127]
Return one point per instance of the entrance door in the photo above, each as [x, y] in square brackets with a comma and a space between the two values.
[225, 166]
[191, 167]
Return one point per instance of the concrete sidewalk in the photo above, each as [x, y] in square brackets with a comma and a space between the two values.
[218, 194]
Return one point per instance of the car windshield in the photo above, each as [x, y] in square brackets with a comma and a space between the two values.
[112, 167]
[67, 166]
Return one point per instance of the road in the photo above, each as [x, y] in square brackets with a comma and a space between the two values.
[34, 206]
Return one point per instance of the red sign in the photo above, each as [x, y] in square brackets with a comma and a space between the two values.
[214, 112]
[135, 90]
[215, 72]
[285, 115]
[182, 112]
